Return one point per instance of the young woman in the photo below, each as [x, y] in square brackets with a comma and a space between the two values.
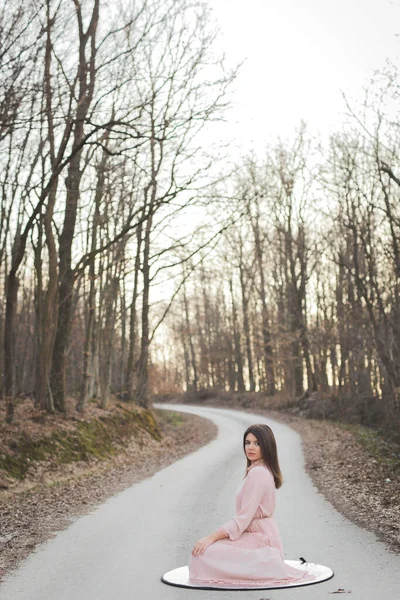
[247, 550]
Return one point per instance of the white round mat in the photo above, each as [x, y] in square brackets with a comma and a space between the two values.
[180, 577]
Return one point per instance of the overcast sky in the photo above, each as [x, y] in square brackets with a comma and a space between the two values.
[300, 55]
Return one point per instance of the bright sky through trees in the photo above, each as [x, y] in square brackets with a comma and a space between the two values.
[299, 57]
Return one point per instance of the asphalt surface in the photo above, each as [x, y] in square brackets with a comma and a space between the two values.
[121, 549]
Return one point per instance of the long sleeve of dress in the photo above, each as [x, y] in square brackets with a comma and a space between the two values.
[254, 488]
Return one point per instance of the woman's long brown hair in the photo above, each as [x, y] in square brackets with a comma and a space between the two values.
[269, 452]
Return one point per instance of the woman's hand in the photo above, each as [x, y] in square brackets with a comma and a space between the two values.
[202, 544]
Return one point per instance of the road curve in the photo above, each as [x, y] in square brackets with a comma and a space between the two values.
[120, 550]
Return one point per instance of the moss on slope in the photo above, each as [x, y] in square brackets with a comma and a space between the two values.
[96, 438]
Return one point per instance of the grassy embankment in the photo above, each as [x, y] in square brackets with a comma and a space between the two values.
[39, 440]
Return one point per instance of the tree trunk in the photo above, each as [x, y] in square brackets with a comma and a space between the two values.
[191, 345]
[246, 328]
[236, 340]
[86, 78]
[92, 285]
[143, 366]
[9, 343]
[266, 334]
[108, 337]
[133, 336]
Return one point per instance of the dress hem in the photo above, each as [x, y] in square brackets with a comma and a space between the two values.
[253, 583]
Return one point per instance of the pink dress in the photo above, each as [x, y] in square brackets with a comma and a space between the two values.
[252, 556]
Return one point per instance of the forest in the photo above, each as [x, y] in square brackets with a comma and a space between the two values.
[139, 258]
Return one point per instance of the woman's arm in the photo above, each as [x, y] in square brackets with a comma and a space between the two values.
[256, 485]
[202, 544]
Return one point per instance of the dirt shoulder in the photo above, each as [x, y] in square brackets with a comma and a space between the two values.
[31, 513]
[356, 469]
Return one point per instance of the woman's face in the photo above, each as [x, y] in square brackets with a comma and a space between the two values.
[252, 447]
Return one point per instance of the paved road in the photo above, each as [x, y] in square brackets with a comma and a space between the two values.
[121, 549]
